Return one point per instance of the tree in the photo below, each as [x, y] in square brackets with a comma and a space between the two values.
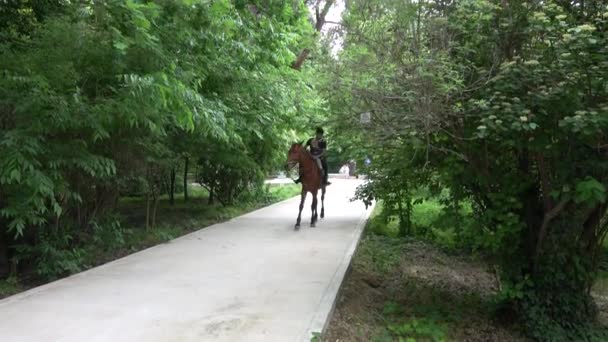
[136, 89]
[321, 8]
[505, 104]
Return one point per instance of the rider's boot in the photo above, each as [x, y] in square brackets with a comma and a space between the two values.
[325, 179]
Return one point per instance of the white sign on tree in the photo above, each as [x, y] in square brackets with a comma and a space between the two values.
[366, 117]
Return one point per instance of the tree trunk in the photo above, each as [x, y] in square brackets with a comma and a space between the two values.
[300, 60]
[211, 194]
[5, 267]
[320, 15]
[155, 196]
[592, 227]
[185, 179]
[148, 210]
[172, 187]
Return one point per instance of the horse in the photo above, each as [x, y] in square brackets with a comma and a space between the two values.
[312, 181]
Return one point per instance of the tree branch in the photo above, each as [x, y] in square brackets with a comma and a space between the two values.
[449, 151]
[300, 60]
[320, 16]
[545, 182]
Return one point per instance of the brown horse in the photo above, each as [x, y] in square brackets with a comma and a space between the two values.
[312, 181]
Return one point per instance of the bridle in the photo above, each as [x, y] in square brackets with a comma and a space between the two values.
[288, 168]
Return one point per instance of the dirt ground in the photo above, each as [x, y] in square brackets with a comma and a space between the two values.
[421, 282]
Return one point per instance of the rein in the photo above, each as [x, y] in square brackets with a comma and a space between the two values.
[288, 169]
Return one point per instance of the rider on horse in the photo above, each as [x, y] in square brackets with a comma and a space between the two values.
[318, 150]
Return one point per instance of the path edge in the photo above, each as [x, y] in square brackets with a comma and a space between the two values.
[327, 305]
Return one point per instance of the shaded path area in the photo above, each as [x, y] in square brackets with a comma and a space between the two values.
[249, 279]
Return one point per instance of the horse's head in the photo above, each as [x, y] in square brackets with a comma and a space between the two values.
[294, 154]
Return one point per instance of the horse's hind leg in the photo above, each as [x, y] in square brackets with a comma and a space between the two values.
[323, 202]
[302, 199]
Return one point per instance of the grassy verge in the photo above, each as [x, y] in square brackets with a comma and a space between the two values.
[9, 287]
[402, 289]
[431, 222]
[125, 233]
[429, 286]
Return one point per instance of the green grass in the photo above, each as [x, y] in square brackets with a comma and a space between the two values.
[401, 325]
[417, 308]
[430, 221]
[426, 213]
[423, 312]
[428, 313]
[382, 253]
[9, 287]
[285, 191]
[376, 224]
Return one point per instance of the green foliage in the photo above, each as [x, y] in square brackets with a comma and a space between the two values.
[390, 183]
[228, 173]
[430, 325]
[505, 104]
[316, 337]
[418, 330]
[432, 219]
[53, 254]
[109, 235]
[9, 286]
[139, 96]
[590, 192]
[421, 295]
[381, 252]
[270, 194]
[19, 18]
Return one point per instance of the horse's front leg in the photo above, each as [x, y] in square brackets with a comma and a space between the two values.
[313, 209]
[302, 200]
[323, 202]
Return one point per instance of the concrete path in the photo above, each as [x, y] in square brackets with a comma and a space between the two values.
[286, 180]
[250, 279]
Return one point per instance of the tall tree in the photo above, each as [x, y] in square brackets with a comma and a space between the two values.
[321, 9]
[505, 104]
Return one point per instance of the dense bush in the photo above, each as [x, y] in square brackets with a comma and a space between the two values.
[505, 104]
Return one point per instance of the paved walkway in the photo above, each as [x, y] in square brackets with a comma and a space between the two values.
[249, 279]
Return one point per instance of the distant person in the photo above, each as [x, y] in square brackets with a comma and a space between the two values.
[352, 168]
[318, 150]
[345, 170]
